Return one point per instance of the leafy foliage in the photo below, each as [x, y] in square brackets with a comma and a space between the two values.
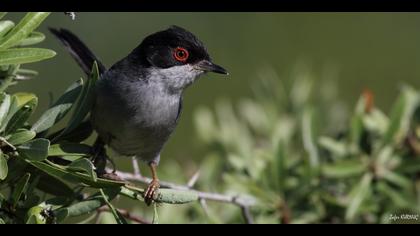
[289, 150]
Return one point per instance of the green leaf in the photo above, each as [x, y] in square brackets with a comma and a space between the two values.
[25, 74]
[2, 221]
[173, 196]
[2, 14]
[24, 55]
[28, 24]
[4, 107]
[62, 173]
[21, 136]
[118, 217]
[84, 103]
[35, 150]
[61, 215]
[21, 116]
[401, 114]
[344, 169]
[336, 148]
[16, 103]
[84, 165]
[359, 194]
[3, 167]
[92, 203]
[308, 135]
[356, 122]
[397, 197]
[54, 186]
[69, 149]
[35, 216]
[59, 109]
[33, 38]
[397, 179]
[5, 27]
[279, 170]
[20, 189]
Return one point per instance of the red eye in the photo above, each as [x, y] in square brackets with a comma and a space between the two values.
[181, 54]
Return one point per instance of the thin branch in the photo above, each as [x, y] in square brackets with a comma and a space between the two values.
[243, 203]
[126, 214]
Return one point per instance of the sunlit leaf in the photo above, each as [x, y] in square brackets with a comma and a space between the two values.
[24, 55]
[33, 38]
[5, 27]
[344, 169]
[359, 194]
[3, 167]
[28, 24]
[308, 135]
[21, 116]
[36, 215]
[401, 115]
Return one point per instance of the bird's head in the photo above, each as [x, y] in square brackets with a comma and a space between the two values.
[175, 55]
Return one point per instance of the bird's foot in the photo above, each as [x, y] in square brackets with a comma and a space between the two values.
[151, 192]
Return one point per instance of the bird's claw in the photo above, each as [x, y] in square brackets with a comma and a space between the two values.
[151, 192]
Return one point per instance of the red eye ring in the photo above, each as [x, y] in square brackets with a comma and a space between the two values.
[181, 54]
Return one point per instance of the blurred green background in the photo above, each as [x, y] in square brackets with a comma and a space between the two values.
[366, 50]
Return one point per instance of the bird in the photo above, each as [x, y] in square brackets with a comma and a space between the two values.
[138, 100]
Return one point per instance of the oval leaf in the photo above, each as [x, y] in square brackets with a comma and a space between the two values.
[35, 150]
[173, 196]
[4, 107]
[33, 38]
[69, 149]
[24, 55]
[21, 136]
[59, 109]
[21, 116]
[5, 27]
[84, 165]
[3, 167]
[84, 103]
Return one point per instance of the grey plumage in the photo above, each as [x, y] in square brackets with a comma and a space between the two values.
[139, 99]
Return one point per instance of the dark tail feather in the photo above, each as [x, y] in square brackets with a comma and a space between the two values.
[78, 50]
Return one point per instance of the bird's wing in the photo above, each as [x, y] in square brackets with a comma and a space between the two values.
[78, 50]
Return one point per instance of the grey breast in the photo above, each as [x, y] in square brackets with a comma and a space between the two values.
[133, 116]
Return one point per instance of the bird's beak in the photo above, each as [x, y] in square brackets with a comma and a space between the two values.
[209, 66]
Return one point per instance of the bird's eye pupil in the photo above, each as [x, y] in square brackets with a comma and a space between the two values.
[181, 54]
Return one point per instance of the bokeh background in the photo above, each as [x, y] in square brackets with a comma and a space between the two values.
[378, 51]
